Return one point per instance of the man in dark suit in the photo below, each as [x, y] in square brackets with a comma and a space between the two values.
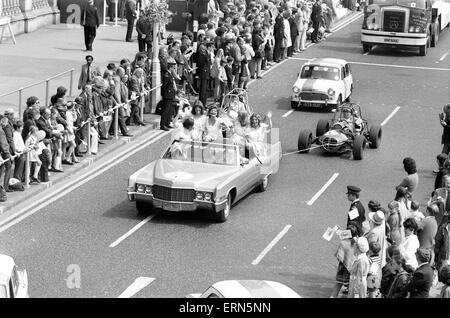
[278, 33]
[130, 15]
[168, 90]
[91, 22]
[203, 71]
[145, 35]
[7, 125]
[356, 213]
[88, 72]
[137, 83]
[316, 17]
[5, 166]
[422, 279]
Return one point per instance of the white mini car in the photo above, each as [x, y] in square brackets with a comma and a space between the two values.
[13, 283]
[322, 82]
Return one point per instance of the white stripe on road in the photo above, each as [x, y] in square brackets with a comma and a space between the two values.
[56, 194]
[322, 190]
[390, 116]
[139, 284]
[385, 65]
[443, 56]
[271, 244]
[288, 113]
[367, 53]
[134, 229]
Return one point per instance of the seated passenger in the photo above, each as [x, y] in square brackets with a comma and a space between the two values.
[236, 103]
[212, 130]
[183, 112]
[239, 131]
[256, 133]
[199, 120]
[231, 116]
[186, 131]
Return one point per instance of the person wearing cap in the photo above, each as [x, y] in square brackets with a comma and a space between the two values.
[377, 233]
[422, 278]
[88, 72]
[360, 269]
[356, 213]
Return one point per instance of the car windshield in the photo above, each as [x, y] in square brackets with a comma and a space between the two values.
[420, 4]
[320, 72]
[203, 152]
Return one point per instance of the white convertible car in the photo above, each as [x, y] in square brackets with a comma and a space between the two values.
[13, 282]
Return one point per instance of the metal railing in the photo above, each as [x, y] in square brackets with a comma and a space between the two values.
[47, 87]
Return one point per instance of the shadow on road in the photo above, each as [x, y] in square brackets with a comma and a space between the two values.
[310, 285]
[125, 210]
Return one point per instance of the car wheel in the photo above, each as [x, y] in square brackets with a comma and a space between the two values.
[435, 36]
[366, 48]
[358, 147]
[144, 207]
[375, 134]
[305, 140]
[263, 185]
[222, 216]
[322, 127]
[294, 105]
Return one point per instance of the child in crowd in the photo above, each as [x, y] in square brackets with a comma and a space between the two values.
[34, 142]
[374, 276]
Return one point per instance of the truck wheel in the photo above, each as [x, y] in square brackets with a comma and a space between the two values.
[435, 35]
[322, 127]
[366, 48]
[423, 50]
[375, 136]
[304, 140]
[144, 208]
[264, 184]
[358, 147]
[222, 216]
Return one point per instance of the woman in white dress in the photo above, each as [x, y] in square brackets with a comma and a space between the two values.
[410, 244]
[257, 131]
[199, 120]
[213, 125]
[186, 130]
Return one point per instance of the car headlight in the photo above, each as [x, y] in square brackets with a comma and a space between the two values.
[417, 29]
[296, 90]
[199, 195]
[331, 92]
[140, 188]
[370, 26]
[148, 189]
[411, 29]
[208, 196]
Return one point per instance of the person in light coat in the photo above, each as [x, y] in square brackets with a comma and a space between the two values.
[360, 268]
[378, 233]
[287, 42]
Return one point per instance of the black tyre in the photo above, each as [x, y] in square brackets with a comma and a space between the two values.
[435, 36]
[222, 216]
[322, 127]
[144, 208]
[366, 48]
[264, 184]
[423, 50]
[375, 134]
[358, 147]
[305, 140]
[294, 105]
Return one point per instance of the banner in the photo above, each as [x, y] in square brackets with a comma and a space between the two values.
[71, 10]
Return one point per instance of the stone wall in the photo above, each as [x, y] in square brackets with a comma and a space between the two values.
[29, 15]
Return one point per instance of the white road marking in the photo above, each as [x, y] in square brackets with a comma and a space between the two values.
[367, 53]
[134, 229]
[59, 192]
[288, 113]
[139, 284]
[443, 56]
[322, 190]
[390, 115]
[387, 65]
[271, 245]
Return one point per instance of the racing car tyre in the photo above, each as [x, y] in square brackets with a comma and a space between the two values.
[435, 35]
[304, 140]
[263, 185]
[375, 136]
[322, 127]
[222, 216]
[358, 147]
[144, 207]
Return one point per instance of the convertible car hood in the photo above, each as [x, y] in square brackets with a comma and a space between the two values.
[320, 85]
[182, 174]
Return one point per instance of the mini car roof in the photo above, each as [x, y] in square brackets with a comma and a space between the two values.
[254, 289]
[327, 62]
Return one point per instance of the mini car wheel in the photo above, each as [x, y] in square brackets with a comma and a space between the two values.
[358, 147]
[322, 127]
[144, 207]
[222, 216]
[305, 140]
[264, 184]
[375, 136]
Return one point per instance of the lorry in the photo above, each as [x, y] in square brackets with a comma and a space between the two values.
[404, 23]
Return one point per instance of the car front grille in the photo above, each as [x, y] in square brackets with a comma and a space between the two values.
[173, 195]
[330, 143]
[313, 96]
[394, 21]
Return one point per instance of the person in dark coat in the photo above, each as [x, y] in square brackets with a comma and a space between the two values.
[90, 21]
[278, 33]
[294, 31]
[443, 169]
[316, 18]
[203, 71]
[422, 279]
[5, 166]
[356, 213]
[145, 35]
[445, 123]
[168, 90]
[130, 15]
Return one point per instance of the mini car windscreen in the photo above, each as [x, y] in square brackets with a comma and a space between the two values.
[203, 152]
[320, 72]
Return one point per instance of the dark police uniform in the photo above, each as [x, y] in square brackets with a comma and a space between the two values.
[356, 213]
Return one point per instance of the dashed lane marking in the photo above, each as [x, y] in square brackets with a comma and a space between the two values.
[139, 284]
[390, 116]
[271, 245]
[322, 190]
[443, 56]
[288, 113]
[134, 229]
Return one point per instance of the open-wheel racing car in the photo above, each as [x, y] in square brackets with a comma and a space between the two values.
[346, 131]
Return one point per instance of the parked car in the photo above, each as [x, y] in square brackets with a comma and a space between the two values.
[247, 289]
[322, 82]
[197, 175]
[347, 131]
[13, 282]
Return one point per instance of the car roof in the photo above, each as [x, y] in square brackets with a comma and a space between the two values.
[6, 267]
[327, 62]
[254, 289]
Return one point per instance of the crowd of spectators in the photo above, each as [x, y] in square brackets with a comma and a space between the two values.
[402, 250]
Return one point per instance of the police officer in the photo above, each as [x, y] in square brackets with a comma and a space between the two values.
[356, 214]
